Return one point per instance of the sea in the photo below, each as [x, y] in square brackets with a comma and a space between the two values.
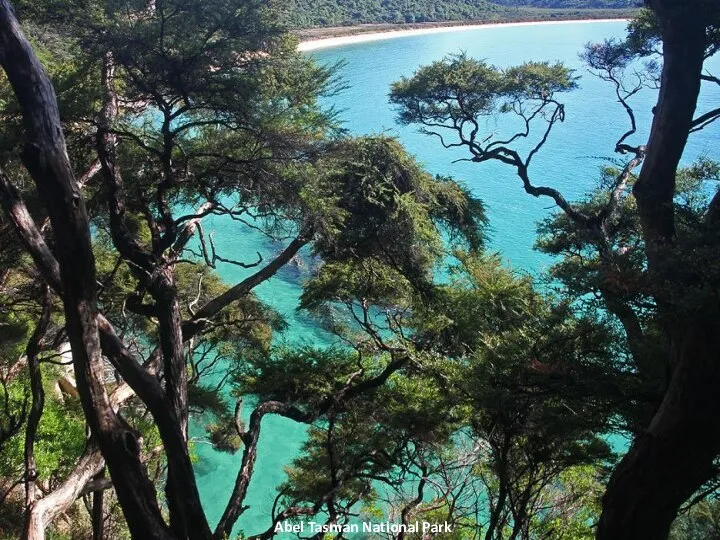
[570, 162]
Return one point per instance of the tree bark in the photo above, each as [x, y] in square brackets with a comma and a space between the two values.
[250, 438]
[45, 157]
[214, 306]
[684, 43]
[38, 400]
[78, 483]
[98, 511]
[674, 457]
[502, 473]
[45, 510]
[187, 518]
[140, 380]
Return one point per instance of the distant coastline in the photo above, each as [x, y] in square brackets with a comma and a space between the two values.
[324, 38]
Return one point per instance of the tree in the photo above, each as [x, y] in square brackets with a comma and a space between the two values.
[187, 109]
[672, 456]
[524, 366]
[485, 423]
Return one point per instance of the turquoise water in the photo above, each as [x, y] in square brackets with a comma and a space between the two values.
[574, 153]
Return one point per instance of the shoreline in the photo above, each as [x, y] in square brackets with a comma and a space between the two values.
[357, 35]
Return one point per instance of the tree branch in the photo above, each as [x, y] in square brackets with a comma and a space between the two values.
[214, 306]
[38, 397]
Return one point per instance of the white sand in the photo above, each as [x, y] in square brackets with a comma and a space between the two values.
[314, 44]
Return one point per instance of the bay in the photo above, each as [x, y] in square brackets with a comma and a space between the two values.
[569, 162]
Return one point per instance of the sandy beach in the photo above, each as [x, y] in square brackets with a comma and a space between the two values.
[325, 43]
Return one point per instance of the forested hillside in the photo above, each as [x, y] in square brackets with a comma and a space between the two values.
[305, 13]
[572, 4]
[310, 13]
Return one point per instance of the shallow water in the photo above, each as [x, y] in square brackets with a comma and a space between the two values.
[576, 150]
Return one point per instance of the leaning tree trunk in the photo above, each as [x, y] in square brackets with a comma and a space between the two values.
[674, 456]
[45, 157]
[44, 511]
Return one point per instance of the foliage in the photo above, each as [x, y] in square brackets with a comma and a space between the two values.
[493, 399]
[582, 276]
[654, 277]
[582, 4]
[59, 441]
[312, 13]
[479, 396]
[218, 115]
[305, 13]
[702, 520]
[458, 96]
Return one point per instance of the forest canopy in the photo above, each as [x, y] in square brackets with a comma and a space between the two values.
[311, 13]
[446, 386]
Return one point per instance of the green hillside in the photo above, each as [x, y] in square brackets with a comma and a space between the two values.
[305, 13]
[572, 4]
[314, 13]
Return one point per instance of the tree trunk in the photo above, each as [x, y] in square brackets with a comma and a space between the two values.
[684, 43]
[45, 510]
[674, 457]
[139, 379]
[250, 438]
[45, 157]
[672, 460]
[170, 412]
[38, 401]
[98, 511]
[502, 473]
